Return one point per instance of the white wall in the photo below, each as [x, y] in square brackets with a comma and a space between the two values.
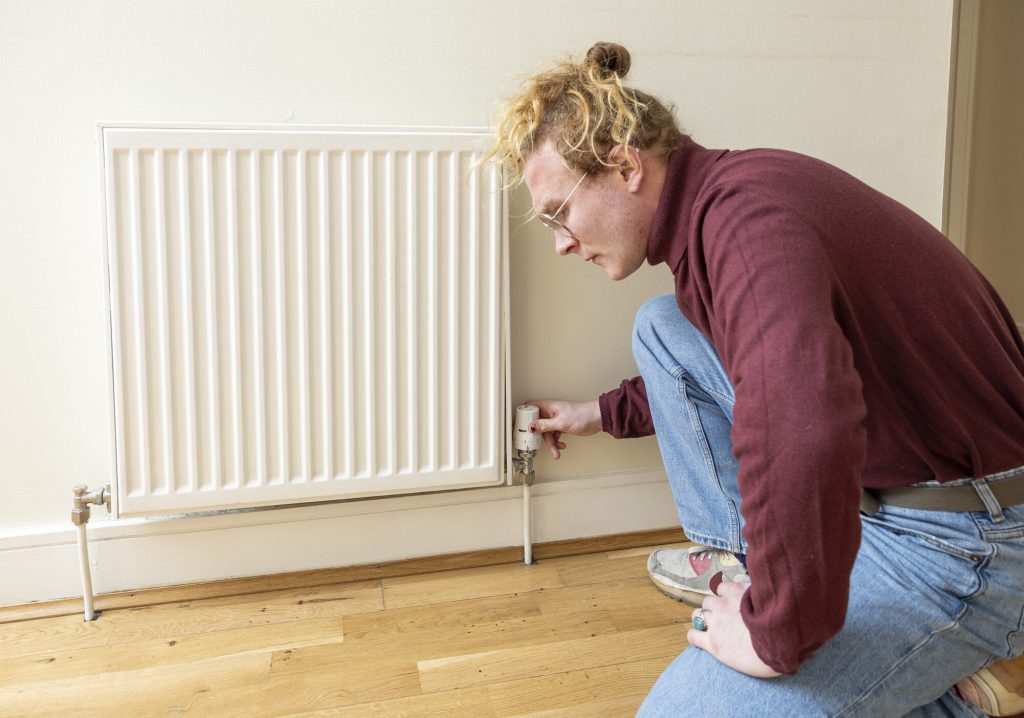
[861, 84]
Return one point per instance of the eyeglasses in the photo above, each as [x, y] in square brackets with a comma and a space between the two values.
[551, 220]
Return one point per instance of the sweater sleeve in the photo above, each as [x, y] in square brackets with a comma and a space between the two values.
[625, 413]
[798, 429]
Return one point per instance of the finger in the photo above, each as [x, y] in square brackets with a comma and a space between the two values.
[698, 639]
[732, 590]
[542, 426]
[553, 446]
[711, 603]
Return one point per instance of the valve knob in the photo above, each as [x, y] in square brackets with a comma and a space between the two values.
[523, 440]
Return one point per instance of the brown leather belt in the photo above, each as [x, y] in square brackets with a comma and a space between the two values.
[1006, 492]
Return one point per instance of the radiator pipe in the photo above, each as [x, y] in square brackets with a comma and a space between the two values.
[83, 562]
[527, 541]
[526, 446]
[80, 517]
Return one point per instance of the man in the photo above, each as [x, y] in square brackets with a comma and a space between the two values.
[826, 351]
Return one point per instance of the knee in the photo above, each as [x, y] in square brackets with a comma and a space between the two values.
[654, 314]
[655, 319]
[697, 684]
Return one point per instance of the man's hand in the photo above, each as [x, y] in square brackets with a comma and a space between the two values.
[727, 637]
[580, 418]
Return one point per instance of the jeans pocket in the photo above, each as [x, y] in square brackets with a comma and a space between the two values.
[949, 566]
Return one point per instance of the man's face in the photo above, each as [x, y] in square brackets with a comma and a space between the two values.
[606, 223]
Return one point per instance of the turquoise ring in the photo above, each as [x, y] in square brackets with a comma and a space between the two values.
[700, 623]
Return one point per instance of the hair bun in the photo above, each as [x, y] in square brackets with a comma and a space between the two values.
[610, 57]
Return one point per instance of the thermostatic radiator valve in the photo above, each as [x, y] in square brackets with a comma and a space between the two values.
[525, 443]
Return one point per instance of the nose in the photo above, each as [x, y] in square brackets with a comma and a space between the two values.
[565, 243]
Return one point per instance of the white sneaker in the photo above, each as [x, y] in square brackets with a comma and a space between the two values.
[692, 574]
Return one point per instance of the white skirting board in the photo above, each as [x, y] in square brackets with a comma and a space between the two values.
[132, 554]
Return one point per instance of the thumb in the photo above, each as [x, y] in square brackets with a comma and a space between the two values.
[542, 426]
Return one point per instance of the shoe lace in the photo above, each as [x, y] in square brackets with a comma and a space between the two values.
[717, 553]
[713, 552]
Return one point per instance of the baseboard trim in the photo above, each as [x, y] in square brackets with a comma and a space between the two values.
[130, 556]
[344, 574]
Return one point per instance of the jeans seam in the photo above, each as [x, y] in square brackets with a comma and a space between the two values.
[910, 654]
[705, 540]
[709, 459]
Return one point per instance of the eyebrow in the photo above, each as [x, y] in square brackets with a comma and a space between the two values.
[545, 208]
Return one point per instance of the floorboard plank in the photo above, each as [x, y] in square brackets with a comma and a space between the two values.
[64, 664]
[463, 584]
[449, 642]
[196, 689]
[218, 614]
[469, 703]
[576, 688]
[461, 671]
[399, 622]
[568, 637]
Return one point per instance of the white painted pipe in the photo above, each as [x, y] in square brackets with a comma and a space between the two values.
[527, 542]
[83, 561]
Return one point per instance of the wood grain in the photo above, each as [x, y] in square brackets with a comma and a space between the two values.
[571, 636]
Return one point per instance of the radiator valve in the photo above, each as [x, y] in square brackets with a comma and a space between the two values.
[84, 497]
[525, 443]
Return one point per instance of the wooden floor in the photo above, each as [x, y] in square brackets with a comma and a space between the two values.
[579, 636]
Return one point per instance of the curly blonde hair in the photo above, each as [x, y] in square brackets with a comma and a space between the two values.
[586, 111]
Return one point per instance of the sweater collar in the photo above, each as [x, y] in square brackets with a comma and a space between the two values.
[688, 167]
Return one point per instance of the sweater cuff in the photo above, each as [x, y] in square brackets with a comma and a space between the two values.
[606, 413]
[777, 656]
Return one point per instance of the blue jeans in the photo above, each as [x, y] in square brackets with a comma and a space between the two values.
[934, 596]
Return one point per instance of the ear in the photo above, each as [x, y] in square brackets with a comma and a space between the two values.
[628, 163]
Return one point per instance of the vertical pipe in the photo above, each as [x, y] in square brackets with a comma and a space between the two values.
[83, 562]
[527, 541]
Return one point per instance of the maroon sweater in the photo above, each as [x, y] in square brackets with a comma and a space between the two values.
[864, 349]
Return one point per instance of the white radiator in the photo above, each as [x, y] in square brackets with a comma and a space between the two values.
[301, 314]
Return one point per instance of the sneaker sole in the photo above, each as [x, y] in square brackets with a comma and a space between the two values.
[690, 598]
